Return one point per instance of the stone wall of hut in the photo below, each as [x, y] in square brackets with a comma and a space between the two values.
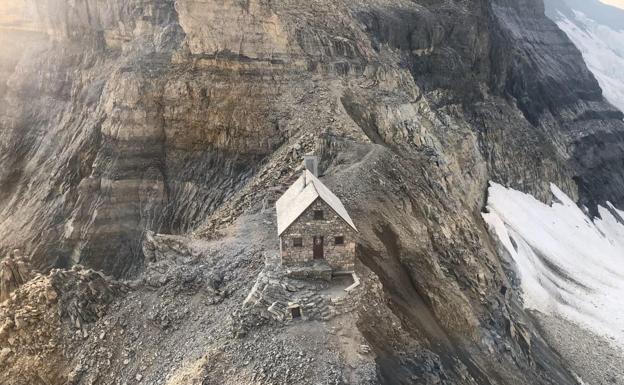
[339, 257]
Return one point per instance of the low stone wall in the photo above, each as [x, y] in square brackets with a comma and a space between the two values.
[313, 272]
[275, 294]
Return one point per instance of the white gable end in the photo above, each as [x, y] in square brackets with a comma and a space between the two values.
[301, 195]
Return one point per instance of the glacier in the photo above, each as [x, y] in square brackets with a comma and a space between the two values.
[569, 265]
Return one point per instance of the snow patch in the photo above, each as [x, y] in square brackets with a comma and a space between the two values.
[603, 51]
[568, 264]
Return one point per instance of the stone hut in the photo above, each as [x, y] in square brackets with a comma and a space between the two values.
[314, 227]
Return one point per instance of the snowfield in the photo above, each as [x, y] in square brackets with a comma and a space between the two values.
[603, 51]
[569, 266]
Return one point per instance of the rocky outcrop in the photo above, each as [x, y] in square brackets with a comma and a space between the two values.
[14, 272]
[45, 316]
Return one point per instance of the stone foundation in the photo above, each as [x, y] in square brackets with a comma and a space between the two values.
[276, 293]
[321, 271]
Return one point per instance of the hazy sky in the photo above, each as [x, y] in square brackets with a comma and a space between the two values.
[16, 14]
[13, 12]
[617, 3]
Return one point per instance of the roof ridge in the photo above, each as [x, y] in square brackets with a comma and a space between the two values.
[314, 184]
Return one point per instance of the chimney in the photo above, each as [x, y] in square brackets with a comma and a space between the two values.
[310, 163]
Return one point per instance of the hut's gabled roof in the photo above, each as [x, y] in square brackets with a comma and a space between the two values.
[301, 195]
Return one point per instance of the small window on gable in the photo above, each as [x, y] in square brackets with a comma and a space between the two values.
[318, 215]
[297, 242]
[339, 240]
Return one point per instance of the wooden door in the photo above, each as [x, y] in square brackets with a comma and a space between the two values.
[318, 247]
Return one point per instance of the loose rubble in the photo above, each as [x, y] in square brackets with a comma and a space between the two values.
[47, 315]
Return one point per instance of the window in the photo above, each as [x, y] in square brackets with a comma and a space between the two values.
[339, 240]
[318, 215]
[298, 242]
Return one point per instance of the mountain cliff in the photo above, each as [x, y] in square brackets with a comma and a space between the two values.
[148, 140]
[598, 31]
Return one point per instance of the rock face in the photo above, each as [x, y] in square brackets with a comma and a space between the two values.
[597, 30]
[135, 142]
[169, 116]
